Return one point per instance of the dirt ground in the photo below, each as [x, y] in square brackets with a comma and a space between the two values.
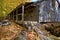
[9, 32]
[12, 31]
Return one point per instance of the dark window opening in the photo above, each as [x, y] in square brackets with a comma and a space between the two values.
[14, 17]
[19, 17]
[14, 12]
[19, 10]
[59, 5]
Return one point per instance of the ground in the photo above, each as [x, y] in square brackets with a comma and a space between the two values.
[13, 31]
[9, 32]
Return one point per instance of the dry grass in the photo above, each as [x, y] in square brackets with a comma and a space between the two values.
[10, 32]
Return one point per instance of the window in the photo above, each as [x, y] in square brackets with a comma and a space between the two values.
[19, 17]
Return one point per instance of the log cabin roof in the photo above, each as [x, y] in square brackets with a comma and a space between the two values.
[26, 5]
[29, 4]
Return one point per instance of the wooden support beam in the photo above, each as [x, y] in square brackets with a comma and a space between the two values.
[27, 6]
[13, 15]
[16, 15]
[9, 17]
[22, 13]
